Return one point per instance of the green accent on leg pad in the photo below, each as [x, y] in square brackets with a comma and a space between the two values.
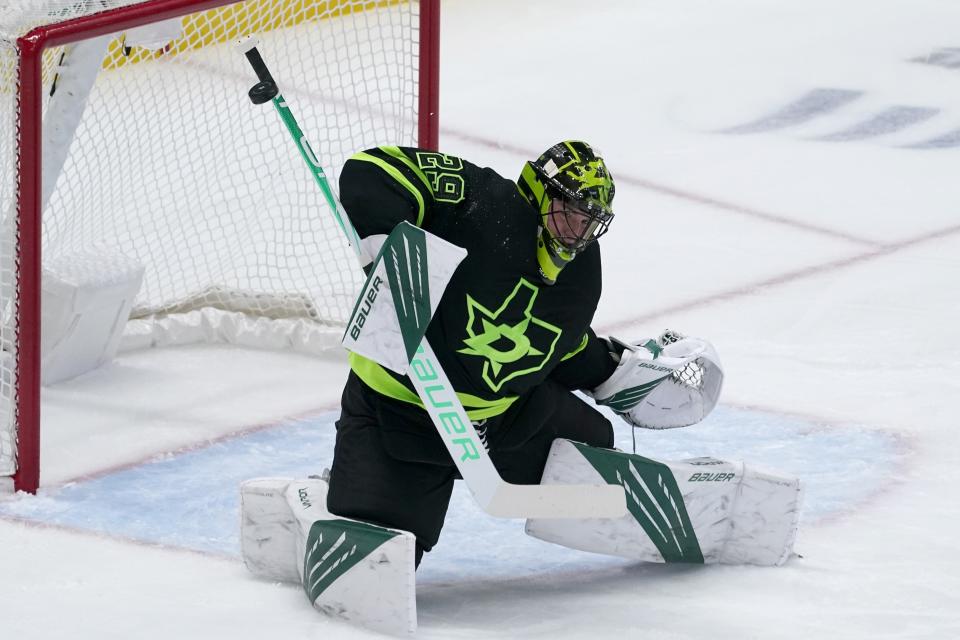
[333, 547]
[653, 499]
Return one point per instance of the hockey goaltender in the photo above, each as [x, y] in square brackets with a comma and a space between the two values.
[483, 390]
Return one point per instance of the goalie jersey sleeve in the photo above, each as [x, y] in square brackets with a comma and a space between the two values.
[384, 186]
[587, 366]
[499, 330]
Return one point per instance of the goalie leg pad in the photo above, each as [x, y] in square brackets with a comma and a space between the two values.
[701, 510]
[351, 570]
[268, 536]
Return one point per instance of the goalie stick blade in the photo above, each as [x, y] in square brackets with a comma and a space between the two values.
[557, 501]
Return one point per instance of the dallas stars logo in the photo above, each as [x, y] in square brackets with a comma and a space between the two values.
[510, 350]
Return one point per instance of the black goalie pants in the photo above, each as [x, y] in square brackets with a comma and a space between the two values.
[391, 468]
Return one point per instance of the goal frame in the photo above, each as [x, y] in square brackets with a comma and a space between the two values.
[30, 48]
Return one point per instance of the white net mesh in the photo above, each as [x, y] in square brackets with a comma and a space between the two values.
[173, 166]
[8, 182]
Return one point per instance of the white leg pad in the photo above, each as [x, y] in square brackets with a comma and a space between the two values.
[699, 510]
[351, 570]
[268, 530]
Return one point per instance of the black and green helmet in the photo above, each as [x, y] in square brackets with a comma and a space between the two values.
[570, 171]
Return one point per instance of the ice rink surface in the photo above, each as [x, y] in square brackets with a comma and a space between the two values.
[786, 187]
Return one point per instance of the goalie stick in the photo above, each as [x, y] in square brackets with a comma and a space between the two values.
[496, 496]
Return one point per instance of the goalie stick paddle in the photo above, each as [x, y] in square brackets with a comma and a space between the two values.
[496, 496]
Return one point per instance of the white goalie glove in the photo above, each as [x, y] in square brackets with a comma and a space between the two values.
[673, 381]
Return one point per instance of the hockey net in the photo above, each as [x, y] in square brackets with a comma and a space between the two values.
[169, 164]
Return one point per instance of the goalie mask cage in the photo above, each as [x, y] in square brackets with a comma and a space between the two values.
[164, 161]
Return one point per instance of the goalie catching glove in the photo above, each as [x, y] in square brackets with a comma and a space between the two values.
[673, 381]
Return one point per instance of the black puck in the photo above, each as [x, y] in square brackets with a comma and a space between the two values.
[263, 92]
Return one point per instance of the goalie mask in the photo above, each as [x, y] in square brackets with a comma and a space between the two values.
[571, 188]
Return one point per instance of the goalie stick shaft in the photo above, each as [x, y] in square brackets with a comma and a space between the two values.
[496, 496]
[303, 145]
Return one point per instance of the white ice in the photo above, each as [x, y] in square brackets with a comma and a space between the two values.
[825, 273]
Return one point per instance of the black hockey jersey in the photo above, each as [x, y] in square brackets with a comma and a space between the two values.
[499, 329]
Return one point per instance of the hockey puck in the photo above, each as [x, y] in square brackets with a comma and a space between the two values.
[263, 92]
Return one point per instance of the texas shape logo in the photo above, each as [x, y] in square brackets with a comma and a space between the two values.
[511, 339]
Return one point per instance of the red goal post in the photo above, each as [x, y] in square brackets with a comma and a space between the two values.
[21, 339]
